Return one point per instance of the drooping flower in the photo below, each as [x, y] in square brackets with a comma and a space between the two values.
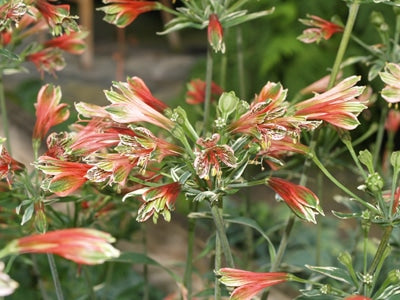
[49, 111]
[72, 42]
[123, 12]
[57, 16]
[7, 284]
[247, 284]
[338, 106]
[98, 134]
[129, 107]
[321, 29]
[197, 91]
[81, 245]
[47, 60]
[279, 149]
[8, 165]
[207, 161]
[392, 122]
[156, 201]
[64, 177]
[357, 297]
[215, 34]
[391, 76]
[320, 85]
[302, 201]
[12, 11]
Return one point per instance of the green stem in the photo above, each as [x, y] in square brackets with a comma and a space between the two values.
[396, 37]
[283, 244]
[207, 100]
[145, 267]
[379, 137]
[281, 250]
[4, 118]
[220, 227]
[239, 44]
[89, 283]
[187, 278]
[379, 255]
[341, 186]
[217, 266]
[353, 10]
[353, 154]
[56, 278]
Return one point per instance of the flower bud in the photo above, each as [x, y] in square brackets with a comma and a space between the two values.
[374, 182]
[394, 276]
[227, 104]
[345, 259]
[395, 160]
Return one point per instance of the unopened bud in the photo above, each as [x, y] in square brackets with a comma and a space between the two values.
[394, 276]
[345, 259]
[227, 103]
[395, 160]
[374, 182]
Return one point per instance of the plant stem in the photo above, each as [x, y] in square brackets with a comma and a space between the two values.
[145, 267]
[89, 283]
[353, 10]
[341, 186]
[379, 255]
[56, 278]
[217, 266]
[379, 137]
[220, 227]
[187, 277]
[239, 45]
[4, 118]
[281, 250]
[283, 244]
[207, 100]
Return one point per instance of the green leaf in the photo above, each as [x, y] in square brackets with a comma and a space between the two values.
[141, 258]
[253, 224]
[332, 272]
[27, 214]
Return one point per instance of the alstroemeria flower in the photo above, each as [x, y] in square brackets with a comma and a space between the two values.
[281, 148]
[302, 201]
[12, 11]
[391, 76]
[357, 297]
[197, 91]
[156, 201]
[7, 284]
[57, 16]
[338, 106]
[392, 122]
[321, 29]
[208, 159]
[320, 85]
[130, 106]
[247, 284]
[215, 34]
[65, 177]
[98, 134]
[47, 60]
[110, 167]
[267, 119]
[49, 111]
[81, 245]
[72, 42]
[123, 12]
[8, 165]
[145, 146]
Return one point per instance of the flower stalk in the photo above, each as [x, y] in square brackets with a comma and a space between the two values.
[353, 11]
[3, 108]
